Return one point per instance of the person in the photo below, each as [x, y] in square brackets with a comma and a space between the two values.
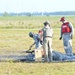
[67, 33]
[58, 56]
[47, 41]
[36, 38]
[40, 34]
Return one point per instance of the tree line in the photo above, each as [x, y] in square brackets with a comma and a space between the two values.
[38, 13]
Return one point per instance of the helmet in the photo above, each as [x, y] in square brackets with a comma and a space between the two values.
[46, 22]
[62, 19]
[31, 34]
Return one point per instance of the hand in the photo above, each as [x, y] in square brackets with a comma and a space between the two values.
[60, 38]
[41, 42]
[29, 48]
[71, 36]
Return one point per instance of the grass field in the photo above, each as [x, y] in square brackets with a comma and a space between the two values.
[14, 37]
[67, 68]
[19, 40]
[33, 22]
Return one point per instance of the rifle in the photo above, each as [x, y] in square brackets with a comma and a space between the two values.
[28, 51]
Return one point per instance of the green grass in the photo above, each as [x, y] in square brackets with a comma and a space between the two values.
[14, 37]
[65, 68]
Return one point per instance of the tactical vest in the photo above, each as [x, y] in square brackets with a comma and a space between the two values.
[66, 28]
[47, 32]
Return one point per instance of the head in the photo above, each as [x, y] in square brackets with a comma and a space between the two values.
[40, 32]
[31, 34]
[62, 19]
[46, 23]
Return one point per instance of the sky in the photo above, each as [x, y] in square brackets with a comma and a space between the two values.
[18, 6]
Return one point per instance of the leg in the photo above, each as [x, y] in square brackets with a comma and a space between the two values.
[50, 49]
[67, 44]
[70, 48]
[45, 47]
[57, 56]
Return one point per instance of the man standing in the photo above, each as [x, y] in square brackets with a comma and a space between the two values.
[66, 33]
[41, 38]
[47, 41]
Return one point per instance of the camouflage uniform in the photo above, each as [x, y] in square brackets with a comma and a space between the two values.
[36, 38]
[57, 56]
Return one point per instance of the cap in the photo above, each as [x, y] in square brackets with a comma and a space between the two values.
[46, 22]
[62, 19]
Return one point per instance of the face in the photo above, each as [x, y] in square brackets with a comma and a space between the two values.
[62, 21]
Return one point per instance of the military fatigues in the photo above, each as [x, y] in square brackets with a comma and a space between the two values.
[57, 56]
[67, 37]
[47, 42]
[36, 38]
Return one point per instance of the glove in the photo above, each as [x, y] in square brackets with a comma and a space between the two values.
[71, 36]
[29, 48]
[60, 38]
[41, 42]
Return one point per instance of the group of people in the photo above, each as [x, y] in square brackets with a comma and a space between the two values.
[44, 38]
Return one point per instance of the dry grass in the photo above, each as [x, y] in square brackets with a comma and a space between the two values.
[19, 40]
[13, 39]
[33, 22]
[7, 68]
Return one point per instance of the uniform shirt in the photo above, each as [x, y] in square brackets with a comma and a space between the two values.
[36, 38]
[48, 33]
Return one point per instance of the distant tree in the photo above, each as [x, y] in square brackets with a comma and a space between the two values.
[6, 14]
[28, 14]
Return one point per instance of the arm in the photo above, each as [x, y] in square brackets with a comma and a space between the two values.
[60, 33]
[52, 32]
[31, 46]
[72, 29]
